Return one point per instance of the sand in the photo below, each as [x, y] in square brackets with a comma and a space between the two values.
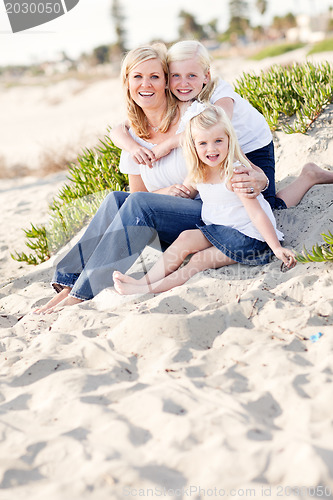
[213, 389]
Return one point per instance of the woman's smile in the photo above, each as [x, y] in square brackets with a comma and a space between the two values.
[146, 83]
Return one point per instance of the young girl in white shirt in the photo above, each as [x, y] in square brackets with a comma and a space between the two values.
[236, 229]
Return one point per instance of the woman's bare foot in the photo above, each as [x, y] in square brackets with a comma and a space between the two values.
[54, 301]
[68, 301]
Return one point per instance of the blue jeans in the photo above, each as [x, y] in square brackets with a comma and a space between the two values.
[122, 227]
[264, 158]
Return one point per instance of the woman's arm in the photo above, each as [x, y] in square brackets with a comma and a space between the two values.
[186, 190]
[262, 222]
[136, 183]
[122, 139]
[245, 178]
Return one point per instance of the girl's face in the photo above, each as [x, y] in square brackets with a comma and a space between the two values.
[212, 145]
[146, 83]
[187, 79]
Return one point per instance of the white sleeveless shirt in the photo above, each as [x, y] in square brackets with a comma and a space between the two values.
[223, 207]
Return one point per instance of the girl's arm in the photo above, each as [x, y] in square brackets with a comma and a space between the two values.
[267, 231]
[227, 104]
[173, 141]
[166, 146]
[122, 139]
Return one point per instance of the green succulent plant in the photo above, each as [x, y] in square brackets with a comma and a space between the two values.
[95, 174]
[300, 91]
[320, 253]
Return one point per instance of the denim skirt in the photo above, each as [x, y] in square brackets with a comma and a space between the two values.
[237, 246]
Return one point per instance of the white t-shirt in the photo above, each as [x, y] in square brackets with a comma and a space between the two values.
[250, 126]
[223, 207]
[170, 169]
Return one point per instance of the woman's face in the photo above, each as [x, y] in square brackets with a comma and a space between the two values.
[146, 83]
[187, 79]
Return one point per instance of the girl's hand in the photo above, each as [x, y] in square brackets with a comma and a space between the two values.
[176, 190]
[248, 182]
[143, 156]
[287, 256]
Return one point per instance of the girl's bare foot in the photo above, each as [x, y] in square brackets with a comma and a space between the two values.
[120, 277]
[68, 301]
[54, 301]
[129, 288]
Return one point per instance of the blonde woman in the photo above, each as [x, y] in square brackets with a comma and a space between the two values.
[127, 222]
[236, 228]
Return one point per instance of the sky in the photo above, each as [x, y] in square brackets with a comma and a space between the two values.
[89, 24]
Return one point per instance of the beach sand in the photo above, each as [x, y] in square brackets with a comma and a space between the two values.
[213, 389]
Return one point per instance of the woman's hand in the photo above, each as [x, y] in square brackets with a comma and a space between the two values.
[286, 255]
[142, 155]
[248, 182]
[176, 190]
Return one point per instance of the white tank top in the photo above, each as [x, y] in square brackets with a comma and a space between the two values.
[223, 207]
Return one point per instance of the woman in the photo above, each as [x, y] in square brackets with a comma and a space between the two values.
[125, 223]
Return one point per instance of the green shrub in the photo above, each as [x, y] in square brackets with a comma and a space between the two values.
[276, 50]
[320, 253]
[323, 46]
[300, 91]
[90, 180]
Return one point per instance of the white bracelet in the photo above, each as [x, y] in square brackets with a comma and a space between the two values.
[266, 187]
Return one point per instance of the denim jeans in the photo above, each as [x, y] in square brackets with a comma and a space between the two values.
[122, 227]
[264, 158]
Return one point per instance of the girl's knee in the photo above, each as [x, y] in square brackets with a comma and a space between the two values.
[186, 240]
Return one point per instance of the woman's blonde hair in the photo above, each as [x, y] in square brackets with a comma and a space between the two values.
[136, 116]
[190, 49]
[209, 117]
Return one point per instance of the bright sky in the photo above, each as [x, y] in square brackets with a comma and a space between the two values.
[89, 24]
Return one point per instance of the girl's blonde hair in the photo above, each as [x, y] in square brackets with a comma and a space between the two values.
[209, 117]
[190, 49]
[136, 116]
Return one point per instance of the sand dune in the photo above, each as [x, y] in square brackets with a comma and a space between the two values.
[213, 385]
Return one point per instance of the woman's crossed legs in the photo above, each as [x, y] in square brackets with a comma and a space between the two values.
[167, 273]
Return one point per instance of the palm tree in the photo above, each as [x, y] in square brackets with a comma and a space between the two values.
[261, 6]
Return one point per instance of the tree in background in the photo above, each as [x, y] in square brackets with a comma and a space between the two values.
[118, 19]
[190, 28]
[261, 6]
[239, 19]
[101, 54]
[283, 23]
